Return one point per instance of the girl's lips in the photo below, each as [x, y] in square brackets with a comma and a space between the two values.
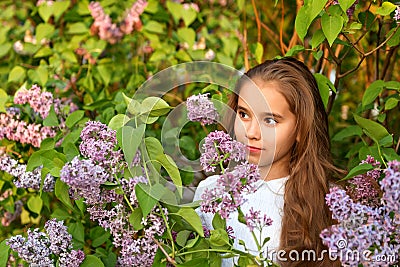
[253, 149]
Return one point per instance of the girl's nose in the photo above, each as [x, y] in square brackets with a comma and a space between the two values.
[253, 130]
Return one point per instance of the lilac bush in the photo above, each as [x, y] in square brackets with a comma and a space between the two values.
[368, 228]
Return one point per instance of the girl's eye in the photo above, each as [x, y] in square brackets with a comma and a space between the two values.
[270, 121]
[243, 115]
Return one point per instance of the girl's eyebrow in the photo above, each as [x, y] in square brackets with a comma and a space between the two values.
[275, 115]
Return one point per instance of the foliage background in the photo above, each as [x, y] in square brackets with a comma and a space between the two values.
[54, 46]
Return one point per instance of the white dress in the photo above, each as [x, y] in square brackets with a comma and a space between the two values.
[268, 199]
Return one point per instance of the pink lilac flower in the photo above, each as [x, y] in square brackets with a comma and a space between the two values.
[71, 259]
[219, 147]
[26, 179]
[109, 31]
[228, 194]
[38, 100]
[98, 143]
[201, 109]
[391, 186]
[254, 219]
[84, 178]
[17, 130]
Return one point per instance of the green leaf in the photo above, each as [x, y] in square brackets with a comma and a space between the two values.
[155, 106]
[118, 121]
[386, 9]
[317, 38]
[373, 129]
[352, 130]
[74, 117]
[372, 92]
[346, 4]
[105, 73]
[61, 191]
[187, 35]
[395, 39]
[324, 86]
[189, 16]
[391, 103]
[131, 139]
[359, 169]
[393, 85]
[47, 144]
[259, 53]
[219, 237]
[100, 239]
[17, 74]
[146, 201]
[77, 28]
[43, 52]
[91, 261]
[44, 30]
[45, 11]
[307, 13]
[294, 50]
[4, 252]
[172, 169]
[154, 27]
[190, 216]
[331, 26]
[77, 231]
[218, 222]
[51, 119]
[35, 204]
[4, 49]
[154, 149]
[3, 100]
[42, 74]
[59, 7]
[132, 105]
[135, 219]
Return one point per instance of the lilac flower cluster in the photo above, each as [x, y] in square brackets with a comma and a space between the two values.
[201, 109]
[219, 148]
[362, 227]
[98, 143]
[228, 195]
[84, 178]
[39, 248]
[18, 130]
[38, 100]
[109, 31]
[26, 179]
[364, 188]
[254, 219]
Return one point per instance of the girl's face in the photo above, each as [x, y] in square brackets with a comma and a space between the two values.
[265, 124]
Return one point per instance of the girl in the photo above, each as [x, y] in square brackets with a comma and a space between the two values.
[295, 165]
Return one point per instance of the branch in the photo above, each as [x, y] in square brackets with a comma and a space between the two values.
[281, 28]
[257, 21]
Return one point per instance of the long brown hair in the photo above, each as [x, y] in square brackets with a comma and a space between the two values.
[311, 168]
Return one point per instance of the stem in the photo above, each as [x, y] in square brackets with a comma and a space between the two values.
[169, 259]
[206, 250]
[168, 231]
[257, 21]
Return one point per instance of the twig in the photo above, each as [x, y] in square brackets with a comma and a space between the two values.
[246, 52]
[281, 28]
[169, 259]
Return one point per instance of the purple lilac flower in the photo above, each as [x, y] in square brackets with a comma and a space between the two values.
[34, 249]
[98, 143]
[228, 195]
[38, 100]
[254, 219]
[364, 227]
[219, 147]
[26, 179]
[60, 239]
[397, 14]
[17, 130]
[71, 259]
[391, 186]
[84, 177]
[201, 109]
